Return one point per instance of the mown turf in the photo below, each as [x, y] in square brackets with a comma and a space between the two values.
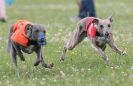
[83, 66]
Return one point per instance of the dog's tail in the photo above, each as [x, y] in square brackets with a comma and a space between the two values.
[9, 44]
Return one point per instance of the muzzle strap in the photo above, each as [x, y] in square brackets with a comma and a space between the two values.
[42, 39]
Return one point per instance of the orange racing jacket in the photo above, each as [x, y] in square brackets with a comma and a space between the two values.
[19, 30]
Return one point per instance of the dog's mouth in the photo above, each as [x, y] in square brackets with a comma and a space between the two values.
[42, 39]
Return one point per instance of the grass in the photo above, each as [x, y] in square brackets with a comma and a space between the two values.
[82, 67]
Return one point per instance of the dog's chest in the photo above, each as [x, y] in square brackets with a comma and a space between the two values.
[32, 46]
[30, 49]
[101, 40]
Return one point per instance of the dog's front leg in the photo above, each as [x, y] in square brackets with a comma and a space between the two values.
[46, 65]
[114, 47]
[40, 59]
[100, 51]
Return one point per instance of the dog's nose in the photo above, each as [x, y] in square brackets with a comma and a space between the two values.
[106, 34]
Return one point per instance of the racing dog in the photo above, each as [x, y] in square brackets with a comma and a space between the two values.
[27, 37]
[98, 31]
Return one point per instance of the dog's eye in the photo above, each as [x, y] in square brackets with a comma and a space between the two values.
[101, 26]
[109, 25]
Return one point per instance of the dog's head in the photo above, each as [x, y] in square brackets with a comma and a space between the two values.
[36, 32]
[103, 26]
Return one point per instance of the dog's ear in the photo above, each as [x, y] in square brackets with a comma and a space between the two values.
[110, 18]
[28, 31]
[95, 21]
[44, 30]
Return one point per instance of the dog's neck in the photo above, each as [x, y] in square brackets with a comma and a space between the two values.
[32, 42]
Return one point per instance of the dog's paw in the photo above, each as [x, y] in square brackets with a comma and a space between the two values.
[36, 63]
[22, 59]
[48, 65]
[61, 60]
[107, 62]
[124, 53]
[51, 65]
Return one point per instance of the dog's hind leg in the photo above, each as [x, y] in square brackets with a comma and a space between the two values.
[20, 54]
[18, 51]
[14, 58]
[76, 37]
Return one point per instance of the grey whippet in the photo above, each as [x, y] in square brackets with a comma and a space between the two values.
[99, 32]
[34, 37]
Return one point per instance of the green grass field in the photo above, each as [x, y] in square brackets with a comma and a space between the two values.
[82, 66]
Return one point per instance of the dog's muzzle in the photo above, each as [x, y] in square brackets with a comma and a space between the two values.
[106, 35]
[42, 39]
